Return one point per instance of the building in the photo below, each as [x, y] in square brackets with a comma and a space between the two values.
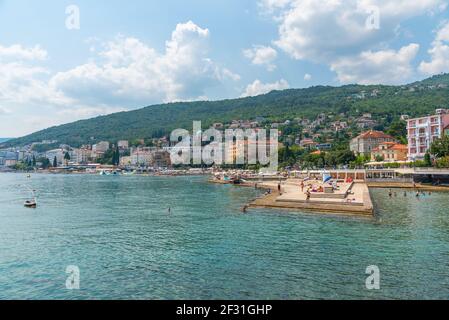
[324, 146]
[82, 155]
[125, 161]
[8, 159]
[422, 132]
[141, 157]
[161, 159]
[123, 145]
[55, 153]
[446, 131]
[240, 152]
[307, 143]
[390, 152]
[148, 157]
[100, 147]
[366, 142]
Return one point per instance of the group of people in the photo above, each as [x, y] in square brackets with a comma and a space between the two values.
[418, 194]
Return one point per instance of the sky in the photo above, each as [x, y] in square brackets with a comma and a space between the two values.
[61, 61]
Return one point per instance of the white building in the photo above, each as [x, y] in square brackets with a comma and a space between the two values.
[141, 157]
[422, 132]
[100, 147]
[123, 144]
[58, 153]
[82, 155]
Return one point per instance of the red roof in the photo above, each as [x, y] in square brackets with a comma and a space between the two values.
[400, 147]
[393, 146]
[375, 135]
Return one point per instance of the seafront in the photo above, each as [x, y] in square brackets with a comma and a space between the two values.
[344, 192]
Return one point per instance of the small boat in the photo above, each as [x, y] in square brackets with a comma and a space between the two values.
[31, 204]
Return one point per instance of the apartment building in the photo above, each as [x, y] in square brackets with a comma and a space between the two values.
[422, 132]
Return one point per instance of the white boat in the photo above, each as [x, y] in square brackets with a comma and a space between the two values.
[33, 202]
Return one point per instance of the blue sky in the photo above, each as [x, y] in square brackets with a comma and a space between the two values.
[129, 54]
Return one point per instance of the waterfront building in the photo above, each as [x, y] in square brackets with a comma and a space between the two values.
[141, 157]
[8, 158]
[55, 153]
[390, 152]
[365, 143]
[82, 155]
[422, 132]
[125, 161]
[100, 147]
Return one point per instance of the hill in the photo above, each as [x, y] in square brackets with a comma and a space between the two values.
[383, 102]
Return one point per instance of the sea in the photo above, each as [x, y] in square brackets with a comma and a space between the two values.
[141, 237]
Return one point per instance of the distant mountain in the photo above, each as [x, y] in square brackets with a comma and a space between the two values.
[4, 139]
[383, 102]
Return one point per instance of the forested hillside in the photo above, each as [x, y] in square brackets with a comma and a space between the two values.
[385, 102]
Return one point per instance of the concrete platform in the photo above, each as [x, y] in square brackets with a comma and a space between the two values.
[291, 197]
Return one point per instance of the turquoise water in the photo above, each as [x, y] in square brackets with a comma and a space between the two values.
[119, 233]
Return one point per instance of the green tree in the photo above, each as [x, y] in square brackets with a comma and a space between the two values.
[440, 147]
[379, 158]
[427, 160]
[45, 163]
[67, 156]
[55, 162]
[116, 157]
[398, 129]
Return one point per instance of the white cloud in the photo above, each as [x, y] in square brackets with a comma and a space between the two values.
[324, 30]
[17, 52]
[132, 73]
[4, 111]
[257, 87]
[439, 53]
[307, 77]
[124, 73]
[377, 67]
[262, 55]
[332, 32]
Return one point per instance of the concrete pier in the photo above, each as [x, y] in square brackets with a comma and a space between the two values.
[350, 199]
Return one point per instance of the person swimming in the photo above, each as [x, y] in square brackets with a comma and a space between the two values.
[390, 194]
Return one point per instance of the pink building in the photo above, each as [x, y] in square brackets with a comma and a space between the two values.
[423, 131]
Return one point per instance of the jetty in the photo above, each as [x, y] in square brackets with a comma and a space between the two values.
[348, 198]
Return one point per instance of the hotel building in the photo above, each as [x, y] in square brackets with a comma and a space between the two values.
[422, 132]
